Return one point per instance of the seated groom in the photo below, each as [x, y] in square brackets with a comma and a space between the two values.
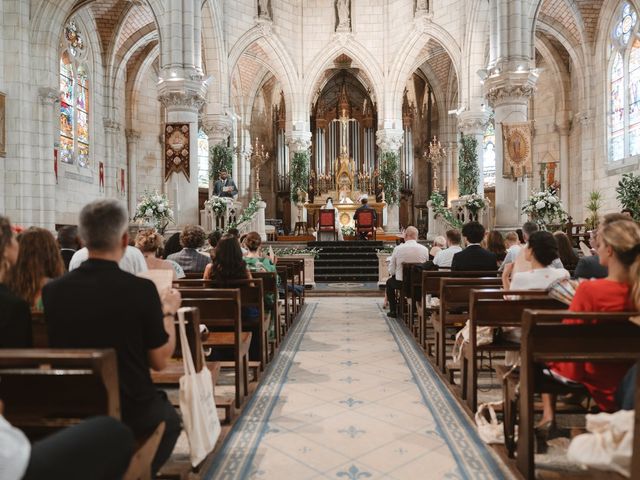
[364, 200]
[474, 257]
[98, 305]
[408, 252]
[225, 186]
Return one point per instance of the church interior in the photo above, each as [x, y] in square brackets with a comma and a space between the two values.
[347, 145]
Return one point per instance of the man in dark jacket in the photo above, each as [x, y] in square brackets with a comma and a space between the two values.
[474, 257]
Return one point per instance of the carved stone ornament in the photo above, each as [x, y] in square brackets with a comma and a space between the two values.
[299, 142]
[264, 26]
[473, 123]
[187, 100]
[343, 10]
[389, 140]
[217, 129]
[48, 96]
[111, 125]
[132, 135]
[263, 9]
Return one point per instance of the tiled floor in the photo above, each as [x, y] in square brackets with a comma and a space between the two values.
[340, 401]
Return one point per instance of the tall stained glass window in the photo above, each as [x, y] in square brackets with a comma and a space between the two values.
[489, 157]
[203, 159]
[624, 85]
[74, 100]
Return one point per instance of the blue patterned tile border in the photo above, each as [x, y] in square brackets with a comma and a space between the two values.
[235, 458]
[472, 455]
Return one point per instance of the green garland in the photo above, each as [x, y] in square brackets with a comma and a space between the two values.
[437, 203]
[299, 174]
[628, 192]
[468, 170]
[220, 158]
[390, 177]
[247, 214]
[281, 252]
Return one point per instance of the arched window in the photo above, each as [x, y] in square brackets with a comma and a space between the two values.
[489, 157]
[74, 100]
[203, 159]
[624, 85]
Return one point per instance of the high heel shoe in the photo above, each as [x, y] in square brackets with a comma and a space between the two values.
[541, 433]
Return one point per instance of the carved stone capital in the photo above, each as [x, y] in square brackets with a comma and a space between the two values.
[110, 125]
[585, 117]
[48, 96]
[264, 26]
[182, 94]
[132, 135]
[217, 127]
[510, 88]
[473, 123]
[389, 139]
[299, 142]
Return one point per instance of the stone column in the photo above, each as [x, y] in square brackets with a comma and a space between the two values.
[475, 123]
[182, 99]
[565, 164]
[49, 131]
[111, 164]
[509, 93]
[298, 142]
[390, 140]
[133, 138]
[217, 127]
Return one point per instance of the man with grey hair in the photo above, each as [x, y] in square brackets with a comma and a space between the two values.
[98, 305]
[408, 252]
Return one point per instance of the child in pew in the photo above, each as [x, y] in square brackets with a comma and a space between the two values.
[15, 316]
[99, 448]
[619, 251]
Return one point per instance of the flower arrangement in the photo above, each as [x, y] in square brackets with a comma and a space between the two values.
[218, 205]
[544, 207]
[437, 203]
[348, 231]
[386, 249]
[153, 208]
[475, 202]
[282, 252]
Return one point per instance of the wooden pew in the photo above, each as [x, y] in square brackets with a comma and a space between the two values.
[405, 295]
[270, 286]
[45, 390]
[545, 339]
[289, 314]
[431, 286]
[454, 311]
[223, 311]
[298, 272]
[170, 376]
[288, 271]
[39, 332]
[489, 308]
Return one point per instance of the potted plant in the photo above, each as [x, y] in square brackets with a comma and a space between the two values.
[543, 208]
[628, 192]
[594, 204]
[153, 210]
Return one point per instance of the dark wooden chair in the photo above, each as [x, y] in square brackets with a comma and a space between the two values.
[495, 309]
[545, 338]
[365, 223]
[327, 222]
[405, 296]
[45, 390]
[223, 312]
[270, 286]
[298, 278]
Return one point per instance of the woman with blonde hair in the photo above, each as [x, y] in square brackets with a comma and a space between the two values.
[15, 316]
[619, 251]
[150, 242]
[39, 261]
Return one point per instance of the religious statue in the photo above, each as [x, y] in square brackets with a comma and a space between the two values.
[263, 9]
[344, 21]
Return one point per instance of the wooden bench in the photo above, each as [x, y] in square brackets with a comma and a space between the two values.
[405, 296]
[39, 333]
[45, 390]
[223, 311]
[270, 286]
[170, 376]
[489, 308]
[546, 339]
[454, 311]
[295, 277]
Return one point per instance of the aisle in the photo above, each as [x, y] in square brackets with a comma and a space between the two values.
[350, 397]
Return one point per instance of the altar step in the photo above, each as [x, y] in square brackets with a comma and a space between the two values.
[352, 261]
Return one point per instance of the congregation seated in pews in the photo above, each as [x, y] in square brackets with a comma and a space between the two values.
[558, 347]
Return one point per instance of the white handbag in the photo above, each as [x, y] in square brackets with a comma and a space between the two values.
[484, 336]
[490, 431]
[197, 403]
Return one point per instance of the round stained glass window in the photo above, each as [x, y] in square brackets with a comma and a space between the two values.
[627, 24]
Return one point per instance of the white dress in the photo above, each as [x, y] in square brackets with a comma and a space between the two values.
[329, 236]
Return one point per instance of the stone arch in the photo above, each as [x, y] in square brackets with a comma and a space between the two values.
[366, 62]
[473, 58]
[215, 58]
[411, 56]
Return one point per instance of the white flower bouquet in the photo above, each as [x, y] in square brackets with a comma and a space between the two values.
[475, 202]
[154, 209]
[348, 231]
[218, 205]
[544, 207]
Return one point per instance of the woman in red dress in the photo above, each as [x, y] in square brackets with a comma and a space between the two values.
[619, 251]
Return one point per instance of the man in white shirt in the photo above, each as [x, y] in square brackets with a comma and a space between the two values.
[132, 261]
[408, 252]
[444, 257]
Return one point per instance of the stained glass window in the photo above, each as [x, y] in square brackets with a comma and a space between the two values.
[624, 86]
[203, 159]
[74, 100]
[489, 157]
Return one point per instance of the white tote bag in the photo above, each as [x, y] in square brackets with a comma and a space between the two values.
[197, 403]
[490, 431]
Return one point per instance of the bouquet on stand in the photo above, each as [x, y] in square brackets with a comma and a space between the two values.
[153, 210]
[475, 203]
[218, 205]
[544, 208]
